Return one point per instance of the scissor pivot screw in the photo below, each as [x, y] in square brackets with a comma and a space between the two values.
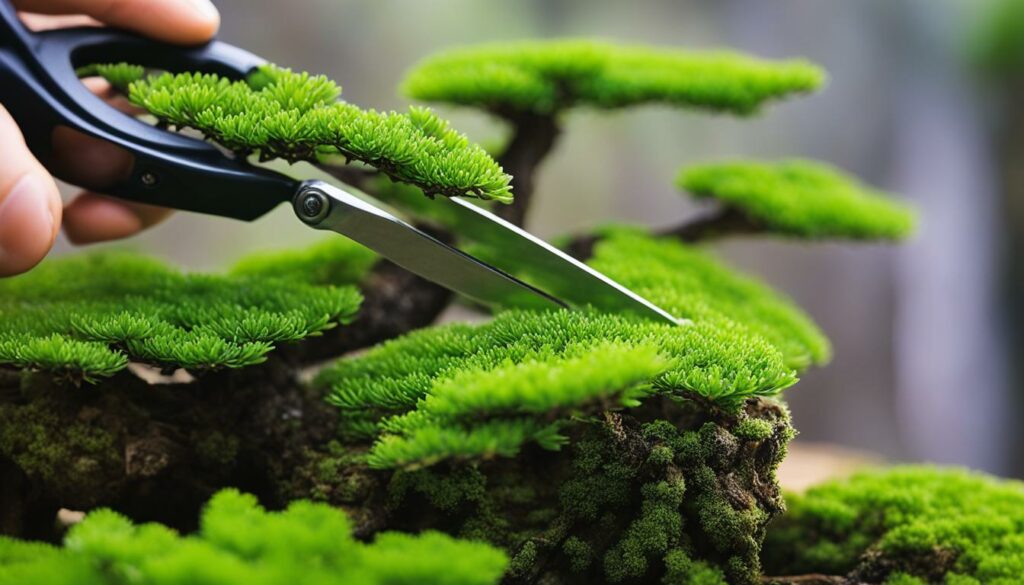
[312, 205]
[149, 179]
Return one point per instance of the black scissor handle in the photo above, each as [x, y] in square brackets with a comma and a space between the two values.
[40, 88]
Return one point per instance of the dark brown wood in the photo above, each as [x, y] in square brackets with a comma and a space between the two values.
[532, 140]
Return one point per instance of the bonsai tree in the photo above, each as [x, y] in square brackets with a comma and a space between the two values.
[533, 447]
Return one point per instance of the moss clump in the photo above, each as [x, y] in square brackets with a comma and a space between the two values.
[688, 282]
[904, 525]
[802, 199]
[241, 543]
[696, 516]
[537, 358]
[544, 77]
[87, 316]
[297, 116]
[70, 457]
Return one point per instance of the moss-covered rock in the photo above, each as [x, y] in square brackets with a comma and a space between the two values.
[904, 525]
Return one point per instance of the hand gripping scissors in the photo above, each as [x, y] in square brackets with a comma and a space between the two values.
[40, 88]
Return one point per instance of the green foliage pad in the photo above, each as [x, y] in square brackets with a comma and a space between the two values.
[470, 392]
[527, 374]
[691, 283]
[296, 116]
[87, 316]
[802, 199]
[909, 525]
[239, 542]
[544, 77]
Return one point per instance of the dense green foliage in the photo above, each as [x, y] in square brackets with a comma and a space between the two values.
[297, 116]
[689, 282]
[536, 360]
[544, 77]
[239, 542]
[801, 198]
[87, 316]
[905, 525]
[464, 391]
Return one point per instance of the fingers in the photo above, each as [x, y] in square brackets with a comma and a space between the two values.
[98, 164]
[94, 218]
[87, 161]
[30, 206]
[175, 21]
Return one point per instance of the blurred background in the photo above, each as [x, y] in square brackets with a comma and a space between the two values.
[925, 100]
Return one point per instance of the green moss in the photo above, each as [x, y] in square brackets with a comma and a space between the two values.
[579, 552]
[544, 77]
[533, 387]
[525, 374]
[87, 316]
[698, 517]
[69, 458]
[652, 534]
[119, 75]
[802, 199]
[682, 569]
[296, 116]
[688, 282]
[216, 449]
[752, 429]
[332, 261]
[907, 522]
[241, 543]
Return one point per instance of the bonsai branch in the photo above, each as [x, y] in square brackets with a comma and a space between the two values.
[721, 222]
[533, 138]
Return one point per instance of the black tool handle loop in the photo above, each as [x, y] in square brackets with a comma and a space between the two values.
[40, 88]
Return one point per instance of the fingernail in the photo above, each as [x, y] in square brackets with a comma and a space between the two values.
[26, 222]
[205, 8]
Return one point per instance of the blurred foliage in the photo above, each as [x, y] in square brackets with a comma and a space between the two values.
[904, 525]
[239, 542]
[801, 198]
[998, 40]
[544, 77]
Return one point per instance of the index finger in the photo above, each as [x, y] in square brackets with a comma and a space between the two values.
[175, 21]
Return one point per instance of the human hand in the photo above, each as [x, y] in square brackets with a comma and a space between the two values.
[30, 206]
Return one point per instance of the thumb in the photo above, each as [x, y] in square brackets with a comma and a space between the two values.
[30, 206]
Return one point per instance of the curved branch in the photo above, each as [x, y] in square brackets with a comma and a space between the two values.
[721, 222]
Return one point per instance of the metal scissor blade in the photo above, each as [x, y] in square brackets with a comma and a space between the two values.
[324, 206]
[555, 271]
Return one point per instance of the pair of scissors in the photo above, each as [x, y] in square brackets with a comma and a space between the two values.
[40, 88]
